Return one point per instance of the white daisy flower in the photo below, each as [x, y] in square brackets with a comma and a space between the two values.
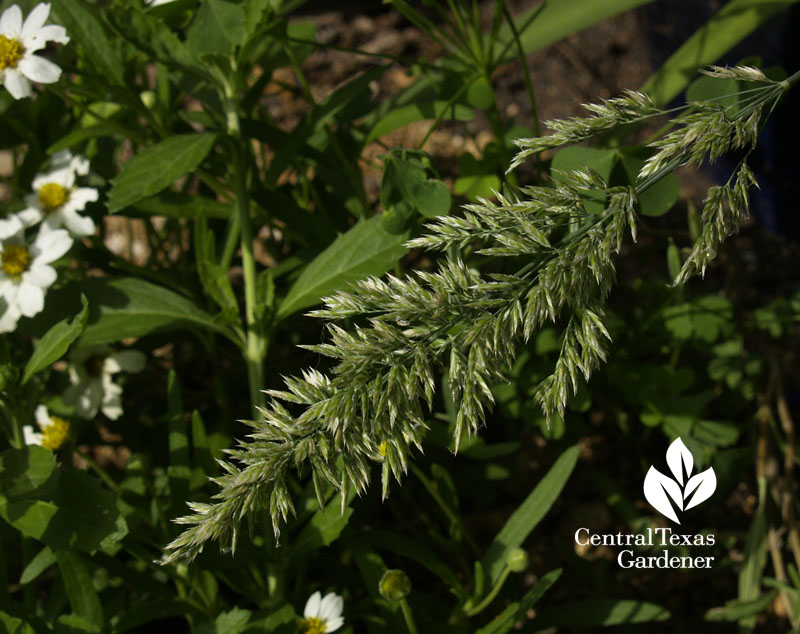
[25, 274]
[18, 43]
[91, 379]
[54, 431]
[56, 201]
[322, 615]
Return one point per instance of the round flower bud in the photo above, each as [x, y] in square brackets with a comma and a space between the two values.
[394, 585]
[517, 560]
[148, 98]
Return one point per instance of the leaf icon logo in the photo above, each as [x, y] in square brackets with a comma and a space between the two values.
[665, 493]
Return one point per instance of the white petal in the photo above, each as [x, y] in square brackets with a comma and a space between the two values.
[331, 607]
[10, 226]
[39, 69]
[11, 21]
[30, 299]
[312, 605]
[35, 20]
[331, 625]
[49, 33]
[30, 216]
[42, 417]
[16, 84]
[81, 196]
[79, 225]
[90, 399]
[125, 361]
[9, 290]
[42, 275]
[30, 437]
[59, 174]
[50, 246]
[9, 319]
[80, 165]
[112, 403]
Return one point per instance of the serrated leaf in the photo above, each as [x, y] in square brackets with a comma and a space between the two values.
[56, 342]
[157, 167]
[85, 28]
[366, 249]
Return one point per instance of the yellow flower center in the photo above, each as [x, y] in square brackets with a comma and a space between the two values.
[313, 625]
[10, 52]
[15, 260]
[55, 434]
[52, 196]
[382, 449]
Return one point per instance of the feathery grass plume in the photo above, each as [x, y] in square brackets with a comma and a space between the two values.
[372, 406]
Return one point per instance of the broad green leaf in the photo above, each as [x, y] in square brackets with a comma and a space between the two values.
[83, 26]
[549, 22]
[721, 91]
[11, 624]
[130, 307]
[729, 26]
[475, 179]
[431, 197]
[218, 27]
[157, 167]
[528, 515]
[412, 112]
[600, 612]
[26, 472]
[576, 157]
[56, 342]
[78, 584]
[80, 514]
[36, 566]
[366, 249]
[324, 527]
[660, 197]
[178, 469]
[505, 621]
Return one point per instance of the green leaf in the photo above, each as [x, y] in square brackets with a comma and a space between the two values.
[86, 29]
[413, 549]
[25, 472]
[78, 584]
[600, 612]
[324, 528]
[575, 157]
[212, 276]
[157, 167]
[528, 515]
[366, 249]
[737, 609]
[56, 342]
[202, 457]
[431, 197]
[36, 566]
[177, 205]
[81, 514]
[11, 624]
[130, 307]
[218, 27]
[412, 112]
[729, 26]
[657, 199]
[515, 612]
[546, 23]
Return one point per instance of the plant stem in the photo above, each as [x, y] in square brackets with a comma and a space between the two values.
[256, 345]
[409, 617]
[489, 597]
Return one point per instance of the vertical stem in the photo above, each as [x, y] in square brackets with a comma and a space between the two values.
[408, 616]
[256, 345]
